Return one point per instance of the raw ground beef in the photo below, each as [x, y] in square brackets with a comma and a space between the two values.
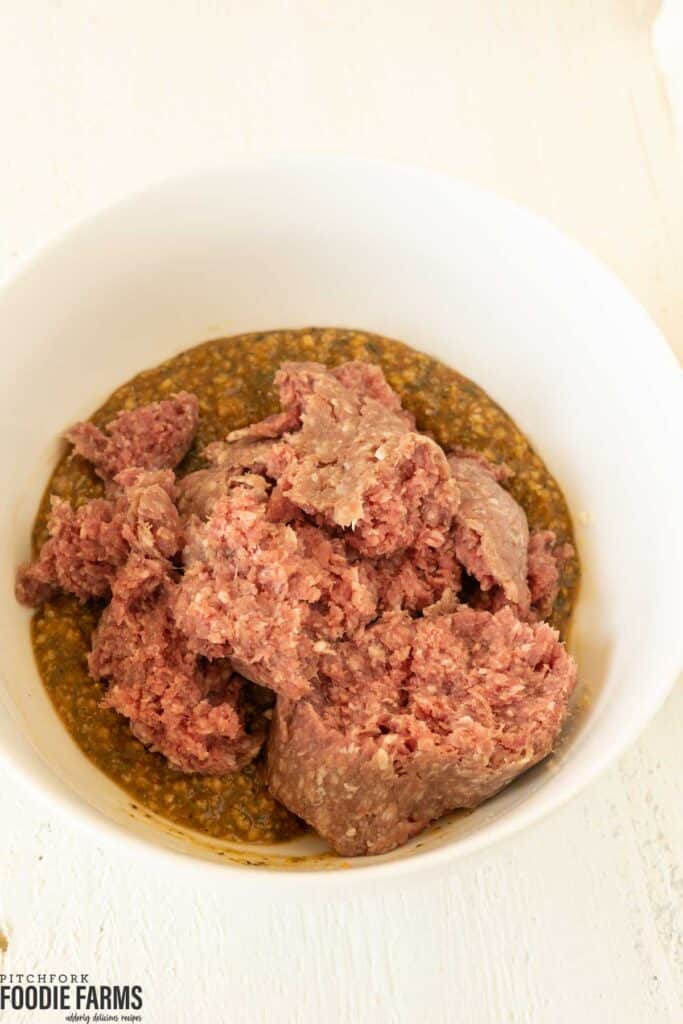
[83, 553]
[491, 532]
[263, 592]
[266, 587]
[418, 577]
[356, 461]
[324, 553]
[198, 492]
[545, 559]
[184, 707]
[417, 717]
[153, 436]
[246, 452]
[87, 545]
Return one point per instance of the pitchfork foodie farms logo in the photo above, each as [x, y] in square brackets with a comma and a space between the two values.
[81, 1001]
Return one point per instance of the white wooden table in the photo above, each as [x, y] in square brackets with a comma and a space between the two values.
[555, 103]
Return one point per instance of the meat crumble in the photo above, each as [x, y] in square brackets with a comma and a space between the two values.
[187, 708]
[151, 437]
[415, 717]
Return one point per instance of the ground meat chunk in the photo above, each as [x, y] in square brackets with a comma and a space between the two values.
[414, 718]
[498, 470]
[252, 453]
[155, 436]
[545, 559]
[418, 577]
[144, 507]
[412, 579]
[271, 427]
[183, 707]
[85, 548]
[266, 593]
[296, 382]
[356, 463]
[491, 532]
[88, 544]
[198, 492]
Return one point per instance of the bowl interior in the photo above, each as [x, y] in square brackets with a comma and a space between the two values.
[450, 270]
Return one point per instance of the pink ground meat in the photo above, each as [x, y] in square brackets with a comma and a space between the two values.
[415, 718]
[491, 532]
[264, 586]
[297, 382]
[87, 545]
[153, 436]
[180, 705]
[198, 492]
[245, 452]
[263, 593]
[320, 554]
[545, 559]
[356, 462]
[418, 576]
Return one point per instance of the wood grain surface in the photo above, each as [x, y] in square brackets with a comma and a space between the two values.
[556, 103]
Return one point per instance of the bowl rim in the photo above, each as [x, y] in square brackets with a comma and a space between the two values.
[545, 800]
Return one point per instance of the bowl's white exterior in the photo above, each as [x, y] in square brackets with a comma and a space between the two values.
[450, 269]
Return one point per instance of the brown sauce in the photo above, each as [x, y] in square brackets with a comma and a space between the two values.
[232, 378]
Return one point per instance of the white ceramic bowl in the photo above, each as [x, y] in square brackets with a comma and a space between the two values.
[451, 270]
